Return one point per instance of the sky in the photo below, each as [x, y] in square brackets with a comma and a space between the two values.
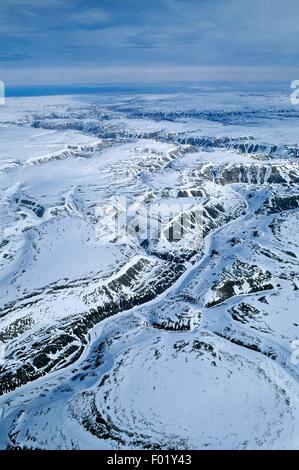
[150, 41]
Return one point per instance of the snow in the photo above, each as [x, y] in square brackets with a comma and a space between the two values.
[134, 342]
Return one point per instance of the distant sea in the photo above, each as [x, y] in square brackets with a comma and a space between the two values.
[51, 90]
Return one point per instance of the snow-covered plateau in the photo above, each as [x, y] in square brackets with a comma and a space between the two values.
[140, 342]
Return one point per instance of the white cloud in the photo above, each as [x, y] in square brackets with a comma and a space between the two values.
[92, 16]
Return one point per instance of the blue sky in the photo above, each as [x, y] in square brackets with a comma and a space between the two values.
[98, 41]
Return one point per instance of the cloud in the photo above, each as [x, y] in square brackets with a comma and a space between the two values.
[93, 16]
[172, 33]
[144, 75]
[13, 57]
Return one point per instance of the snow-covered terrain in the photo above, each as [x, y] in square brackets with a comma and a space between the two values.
[143, 341]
